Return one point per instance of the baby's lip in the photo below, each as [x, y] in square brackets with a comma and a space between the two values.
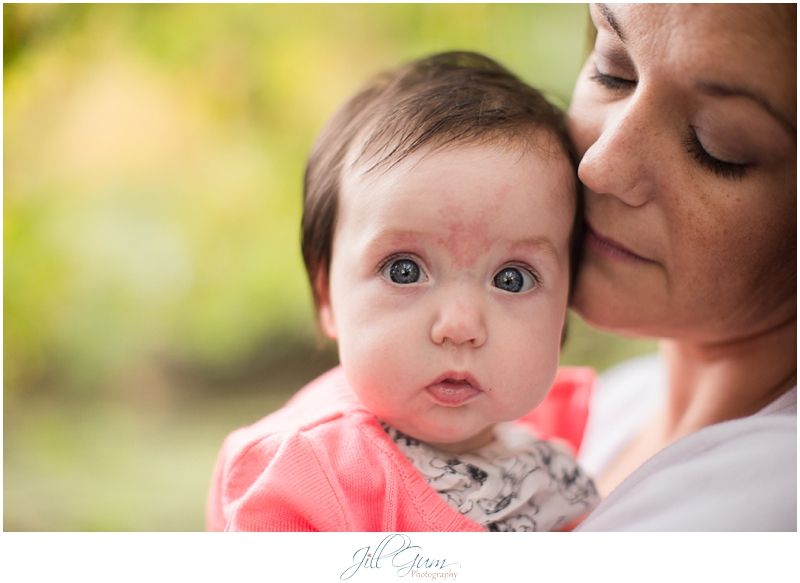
[457, 378]
[453, 389]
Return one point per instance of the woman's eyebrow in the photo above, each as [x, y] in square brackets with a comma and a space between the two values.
[722, 90]
[611, 19]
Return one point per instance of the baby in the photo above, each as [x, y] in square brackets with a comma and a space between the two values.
[438, 234]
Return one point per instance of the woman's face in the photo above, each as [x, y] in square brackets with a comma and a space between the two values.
[685, 120]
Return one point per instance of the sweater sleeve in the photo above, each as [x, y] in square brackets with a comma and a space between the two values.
[276, 483]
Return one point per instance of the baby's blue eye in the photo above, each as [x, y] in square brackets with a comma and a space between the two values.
[404, 271]
[514, 280]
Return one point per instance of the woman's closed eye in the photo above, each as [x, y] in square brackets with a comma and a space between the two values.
[403, 271]
[514, 279]
[692, 143]
[611, 82]
[723, 168]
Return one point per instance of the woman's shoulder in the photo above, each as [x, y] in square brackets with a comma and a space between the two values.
[740, 475]
[624, 396]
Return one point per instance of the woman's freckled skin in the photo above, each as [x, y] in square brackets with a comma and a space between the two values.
[714, 237]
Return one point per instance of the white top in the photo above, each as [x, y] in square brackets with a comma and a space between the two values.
[515, 483]
[739, 475]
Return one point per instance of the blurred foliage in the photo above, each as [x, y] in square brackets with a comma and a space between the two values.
[154, 293]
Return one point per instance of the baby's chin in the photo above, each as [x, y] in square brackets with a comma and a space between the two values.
[450, 441]
[471, 444]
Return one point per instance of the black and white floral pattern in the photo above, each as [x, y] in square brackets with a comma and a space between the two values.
[515, 483]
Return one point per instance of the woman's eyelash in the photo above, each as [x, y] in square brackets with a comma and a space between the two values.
[719, 167]
[691, 142]
[611, 82]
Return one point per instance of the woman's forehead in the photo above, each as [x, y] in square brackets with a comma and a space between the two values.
[774, 19]
[748, 49]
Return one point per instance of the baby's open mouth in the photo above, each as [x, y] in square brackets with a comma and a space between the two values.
[453, 391]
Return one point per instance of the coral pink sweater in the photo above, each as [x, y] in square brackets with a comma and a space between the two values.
[324, 463]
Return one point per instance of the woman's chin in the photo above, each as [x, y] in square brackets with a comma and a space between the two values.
[613, 314]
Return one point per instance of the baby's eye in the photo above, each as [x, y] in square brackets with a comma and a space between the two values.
[402, 271]
[514, 280]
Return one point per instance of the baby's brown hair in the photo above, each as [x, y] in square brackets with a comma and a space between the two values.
[447, 98]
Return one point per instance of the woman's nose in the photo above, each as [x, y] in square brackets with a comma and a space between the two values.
[459, 321]
[616, 162]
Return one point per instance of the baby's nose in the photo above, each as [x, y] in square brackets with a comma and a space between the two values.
[459, 322]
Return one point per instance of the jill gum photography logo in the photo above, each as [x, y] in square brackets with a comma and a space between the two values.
[396, 552]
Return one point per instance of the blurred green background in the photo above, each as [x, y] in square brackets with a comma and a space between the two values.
[154, 295]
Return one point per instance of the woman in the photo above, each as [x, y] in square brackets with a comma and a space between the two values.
[685, 120]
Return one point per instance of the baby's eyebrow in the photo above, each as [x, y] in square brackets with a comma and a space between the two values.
[409, 237]
[396, 237]
[534, 245]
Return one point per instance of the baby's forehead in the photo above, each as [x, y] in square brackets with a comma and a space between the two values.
[465, 195]
[374, 153]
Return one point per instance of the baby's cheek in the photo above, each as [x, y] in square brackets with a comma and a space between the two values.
[376, 358]
[531, 375]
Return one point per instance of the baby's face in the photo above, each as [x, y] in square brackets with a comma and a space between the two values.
[448, 287]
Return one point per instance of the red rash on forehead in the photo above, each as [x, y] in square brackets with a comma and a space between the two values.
[465, 232]
[464, 241]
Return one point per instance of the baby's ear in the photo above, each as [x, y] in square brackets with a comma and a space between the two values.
[324, 309]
